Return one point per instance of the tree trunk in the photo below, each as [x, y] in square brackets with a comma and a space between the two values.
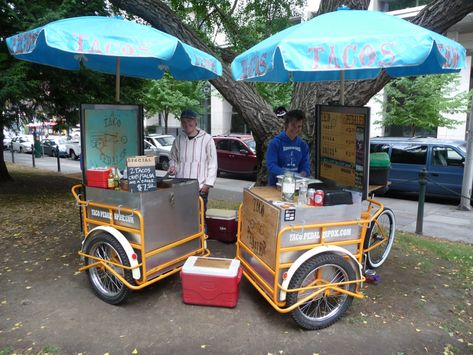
[244, 98]
[4, 175]
[166, 115]
[257, 114]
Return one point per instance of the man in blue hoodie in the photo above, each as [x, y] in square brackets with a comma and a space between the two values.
[288, 152]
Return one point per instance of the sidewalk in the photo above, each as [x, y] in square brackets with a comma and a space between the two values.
[440, 220]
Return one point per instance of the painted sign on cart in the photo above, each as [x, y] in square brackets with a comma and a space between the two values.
[110, 134]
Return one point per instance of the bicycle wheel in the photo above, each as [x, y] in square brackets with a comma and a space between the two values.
[381, 231]
[104, 283]
[328, 306]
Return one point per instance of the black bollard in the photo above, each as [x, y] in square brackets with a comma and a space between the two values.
[420, 206]
[58, 161]
[12, 154]
[32, 155]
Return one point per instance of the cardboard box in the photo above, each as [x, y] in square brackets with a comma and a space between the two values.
[222, 225]
[97, 177]
[211, 281]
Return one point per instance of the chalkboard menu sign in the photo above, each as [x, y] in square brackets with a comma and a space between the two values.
[342, 146]
[141, 174]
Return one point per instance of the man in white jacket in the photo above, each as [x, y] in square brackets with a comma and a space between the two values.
[193, 155]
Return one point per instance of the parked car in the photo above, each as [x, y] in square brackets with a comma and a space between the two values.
[73, 148]
[22, 144]
[6, 143]
[163, 144]
[443, 160]
[152, 151]
[236, 154]
[50, 145]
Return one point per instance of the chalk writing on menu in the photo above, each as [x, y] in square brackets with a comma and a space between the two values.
[342, 148]
[141, 174]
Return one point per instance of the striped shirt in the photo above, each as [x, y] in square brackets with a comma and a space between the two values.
[195, 158]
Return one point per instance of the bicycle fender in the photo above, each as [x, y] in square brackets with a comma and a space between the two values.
[316, 251]
[123, 242]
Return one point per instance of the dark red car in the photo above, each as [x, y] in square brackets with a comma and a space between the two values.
[236, 154]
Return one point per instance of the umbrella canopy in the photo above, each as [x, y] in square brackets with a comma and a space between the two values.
[350, 44]
[115, 46]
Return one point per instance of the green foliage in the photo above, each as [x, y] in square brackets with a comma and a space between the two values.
[6, 350]
[243, 24]
[50, 349]
[30, 90]
[276, 94]
[423, 102]
[168, 95]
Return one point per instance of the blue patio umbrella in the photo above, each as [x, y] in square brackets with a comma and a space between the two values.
[113, 45]
[349, 45]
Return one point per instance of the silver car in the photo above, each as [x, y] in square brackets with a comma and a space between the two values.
[22, 144]
[163, 144]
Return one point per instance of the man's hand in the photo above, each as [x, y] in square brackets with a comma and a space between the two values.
[172, 171]
[204, 189]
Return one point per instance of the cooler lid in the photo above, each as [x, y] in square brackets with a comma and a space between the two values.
[221, 214]
[211, 266]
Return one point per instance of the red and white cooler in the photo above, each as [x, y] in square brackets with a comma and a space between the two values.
[211, 281]
[222, 224]
[97, 177]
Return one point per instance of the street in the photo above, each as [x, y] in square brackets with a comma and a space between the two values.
[442, 220]
[225, 189]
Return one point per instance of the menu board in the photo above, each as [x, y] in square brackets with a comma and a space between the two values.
[110, 134]
[141, 174]
[342, 146]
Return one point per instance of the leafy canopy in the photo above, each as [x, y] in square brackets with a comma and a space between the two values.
[423, 102]
[238, 25]
[30, 90]
[168, 95]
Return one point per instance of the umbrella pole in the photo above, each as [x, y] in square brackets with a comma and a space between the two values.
[342, 88]
[117, 80]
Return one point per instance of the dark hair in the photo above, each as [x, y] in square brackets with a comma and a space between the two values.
[280, 111]
[293, 116]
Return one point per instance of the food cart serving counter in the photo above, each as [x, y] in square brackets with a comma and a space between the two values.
[312, 260]
[143, 231]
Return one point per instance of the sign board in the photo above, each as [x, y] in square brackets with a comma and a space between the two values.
[109, 135]
[342, 146]
[141, 174]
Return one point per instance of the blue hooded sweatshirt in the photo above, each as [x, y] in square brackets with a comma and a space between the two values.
[284, 154]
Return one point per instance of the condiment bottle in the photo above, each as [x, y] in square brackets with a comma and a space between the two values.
[116, 178]
[111, 180]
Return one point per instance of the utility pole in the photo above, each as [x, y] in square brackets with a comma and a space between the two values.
[465, 203]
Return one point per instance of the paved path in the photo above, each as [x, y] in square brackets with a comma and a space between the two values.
[442, 220]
